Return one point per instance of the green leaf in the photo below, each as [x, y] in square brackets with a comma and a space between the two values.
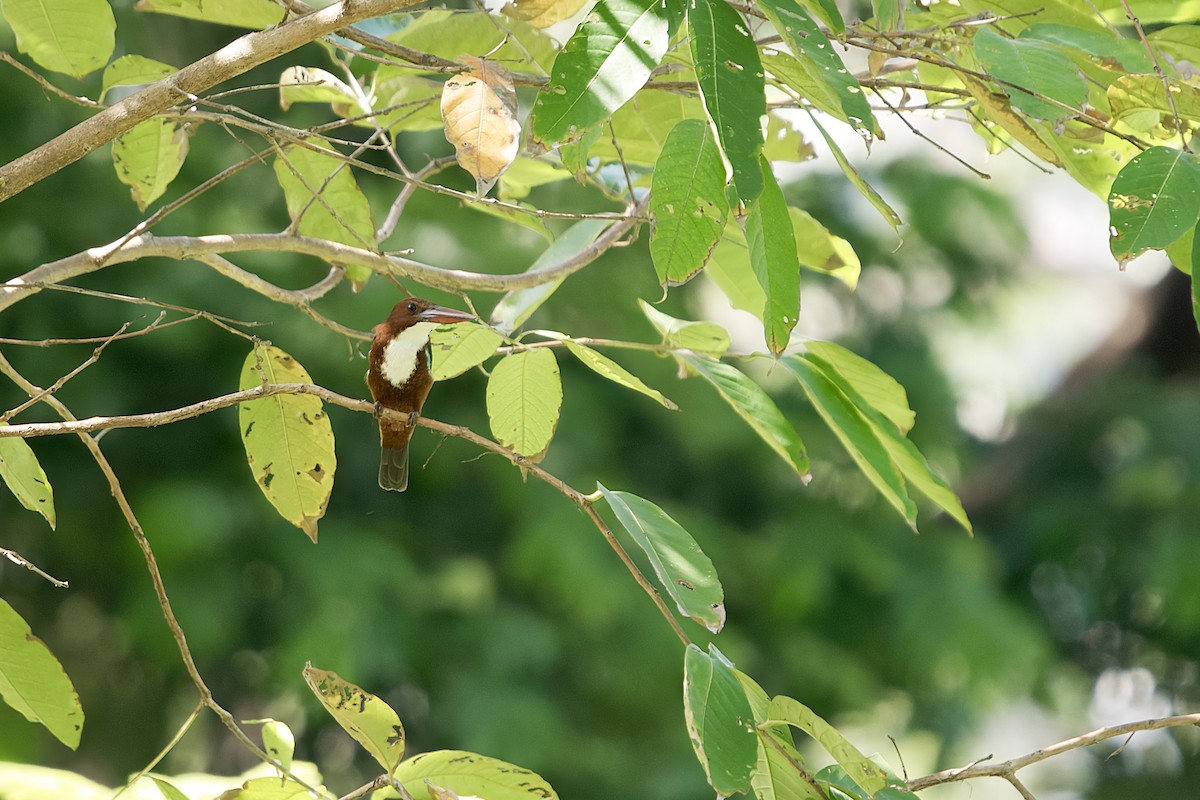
[470, 775]
[775, 776]
[74, 37]
[1180, 41]
[864, 772]
[525, 174]
[700, 337]
[34, 683]
[758, 410]
[681, 566]
[889, 14]
[808, 43]
[524, 397]
[449, 34]
[805, 78]
[313, 85]
[730, 76]
[642, 125]
[322, 193]
[821, 251]
[517, 306]
[857, 180]
[719, 719]
[1103, 45]
[1154, 200]
[279, 742]
[372, 722]
[828, 12]
[257, 14]
[772, 248]
[605, 366]
[687, 202]
[606, 61]
[148, 156]
[24, 476]
[272, 788]
[167, 789]
[34, 782]
[729, 268]
[856, 435]
[288, 440]
[133, 71]
[1140, 101]
[883, 392]
[458, 348]
[1041, 68]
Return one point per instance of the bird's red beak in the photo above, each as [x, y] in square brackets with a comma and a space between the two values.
[445, 316]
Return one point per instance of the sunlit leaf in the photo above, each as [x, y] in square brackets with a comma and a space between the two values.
[168, 790]
[1195, 262]
[820, 250]
[257, 14]
[288, 440]
[35, 782]
[24, 476]
[881, 390]
[864, 772]
[682, 568]
[1039, 67]
[605, 366]
[719, 719]
[1104, 45]
[524, 397]
[772, 248]
[450, 33]
[700, 337]
[757, 408]
[314, 85]
[543, 13]
[470, 774]
[279, 742]
[148, 156]
[1155, 199]
[269, 789]
[133, 71]
[370, 721]
[458, 348]
[687, 202]
[74, 37]
[33, 682]
[1141, 102]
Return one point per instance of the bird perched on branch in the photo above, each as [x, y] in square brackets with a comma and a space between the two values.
[399, 379]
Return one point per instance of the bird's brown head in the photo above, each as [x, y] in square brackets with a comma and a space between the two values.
[411, 310]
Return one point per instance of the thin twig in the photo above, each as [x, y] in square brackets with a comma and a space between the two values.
[937, 145]
[86, 102]
[22, 561]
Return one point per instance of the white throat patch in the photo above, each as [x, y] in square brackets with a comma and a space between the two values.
[400, 355]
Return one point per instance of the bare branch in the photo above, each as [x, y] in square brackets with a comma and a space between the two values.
[22, 561]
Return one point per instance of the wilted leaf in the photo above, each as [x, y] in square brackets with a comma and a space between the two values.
[23, 474]
[524, 396]
[34, 683]
[372, 722]
[479, 109]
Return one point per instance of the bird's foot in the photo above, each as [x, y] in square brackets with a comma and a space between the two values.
[377, 411]
[413, 416]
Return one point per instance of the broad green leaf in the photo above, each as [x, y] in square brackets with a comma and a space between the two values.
[729, 268]
[74, 37]
[681, 566]
[605, 366]
[168, 790]
[518, 305]
[257, 14]
[322, 193]
[856, 435]
[370, 721]
[25, 477]
[775, 777]
[820, 250]
[828, 12]
[687, 202]
[525, 174]
[883, 392]
[133, 71]
[606, 61]
[449, 34]
[1140, 101]
[785, 143]
[458, 348]
[642, 125]
[524, 396]
[863, 771]
[857, 180]
[904, 454]
[148, 156]
[313, 85]
[730, 77]
[1129, 54]
[403, 101]
[1154, 201]
[470, 775]
[34, 683]
[758, 410]
[772, 248]
[808, 43]
[1180, 41]
[1180, 252]
[288, 440]
[719, 720]
[1041, 68]
[269, 789]
[700, 337]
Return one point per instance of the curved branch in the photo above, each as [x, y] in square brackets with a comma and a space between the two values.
[235, 58]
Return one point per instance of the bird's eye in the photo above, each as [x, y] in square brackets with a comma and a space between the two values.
[412, 307]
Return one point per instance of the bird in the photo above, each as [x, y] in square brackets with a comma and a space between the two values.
[399, 378]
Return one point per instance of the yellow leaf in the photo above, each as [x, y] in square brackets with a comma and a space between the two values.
[479, 111]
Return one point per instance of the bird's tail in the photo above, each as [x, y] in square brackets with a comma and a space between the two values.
[393, 469]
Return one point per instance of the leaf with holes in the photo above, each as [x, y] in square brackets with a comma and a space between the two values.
[34, 683]
[372, 722]
[74, 37]
[524, 397]
[313, 85]
[687, 202]
[148, 156]
[1154, 200]
[680, 565]
[24, 476]
[288, 440]
[719, 720]
[479, 109]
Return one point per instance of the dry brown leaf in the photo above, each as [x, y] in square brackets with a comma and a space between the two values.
[479, 111]
[543, 13]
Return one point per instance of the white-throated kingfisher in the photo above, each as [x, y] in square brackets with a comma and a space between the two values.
[399, 379]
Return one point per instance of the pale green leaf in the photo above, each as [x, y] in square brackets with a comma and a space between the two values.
[883, 392]
[279, 742]
[683, 569]
[1039, 67]
[787, 711]
[821, 251]
[1105, 46]
[74, 37]
[313, 85]
[642, 125]
[699, 337]
[730, 76]
[605, 366]
[525, 174]
[857, 180]
[1181, 41]
[729, 268]
[34, 782]
[168, 789]
[370, 721]
[775, 776]
[449, 34]
[34, 683]
[1140, 101]
[804, 77]
[269, 789]
[524, 396]
[257, 14]
[470, 775]
[1154, 200]
[148, 156]
[755, 406]
[609, 57]
[288, 440]
[133, 71]
[772, 248]
[458, 348]
[687, 202]
[24, 476]
[719, 720]
[827, 11]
